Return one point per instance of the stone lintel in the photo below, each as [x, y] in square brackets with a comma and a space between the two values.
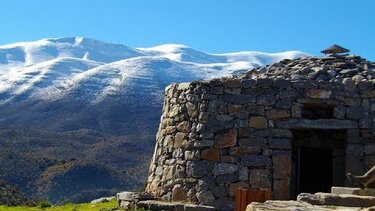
[353, 191]
[319, 101]
[317, 124]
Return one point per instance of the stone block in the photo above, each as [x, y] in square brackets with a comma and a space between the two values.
[278, 114]
[260, 178]
[281, 189]
[206, 182]
[281, 164]
[318, 93]
[205, 197]
[240, 151]
[226, 139]
[210, 154]
[227, 178]
[346, 200]
[219, 191]
[229, 159]
[179, 139]
[184, 127]
[258, 122]
[196, 168]
[252, 141]
[256, 161]
[225, 168]
[355, 112]
[234, 186]
[179, 193]
[279, 143]
[204, 143]
[353, 191]
[235, 108]
[233, 83]
[243, 173]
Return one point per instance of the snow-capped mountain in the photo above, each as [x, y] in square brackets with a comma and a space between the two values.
[51, 68]
[81, 99]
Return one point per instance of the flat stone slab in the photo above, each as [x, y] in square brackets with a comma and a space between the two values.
[296, 206]
[347, 200]
[163, 205]
[353, 191]
[133, 196]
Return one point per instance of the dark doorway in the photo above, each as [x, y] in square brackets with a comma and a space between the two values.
[318, 160]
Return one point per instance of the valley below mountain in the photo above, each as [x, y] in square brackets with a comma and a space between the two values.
[78, 116]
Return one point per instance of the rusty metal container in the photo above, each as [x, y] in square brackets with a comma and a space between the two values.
[245, 196]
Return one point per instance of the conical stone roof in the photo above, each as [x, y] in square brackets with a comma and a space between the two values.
[333, 69]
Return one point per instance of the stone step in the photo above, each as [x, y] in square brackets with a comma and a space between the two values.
[353, 191]
[275, 205]
[347, 200]
[171, 206]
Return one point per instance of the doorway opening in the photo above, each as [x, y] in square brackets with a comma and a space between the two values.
[318, 160]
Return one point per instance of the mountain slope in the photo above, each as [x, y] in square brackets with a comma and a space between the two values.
[76, 106]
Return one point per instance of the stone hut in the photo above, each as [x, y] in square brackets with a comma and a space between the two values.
[294, 126]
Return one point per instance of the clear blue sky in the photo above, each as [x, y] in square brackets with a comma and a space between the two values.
[215, 26]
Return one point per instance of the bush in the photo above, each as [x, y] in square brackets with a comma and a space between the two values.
[45, 204]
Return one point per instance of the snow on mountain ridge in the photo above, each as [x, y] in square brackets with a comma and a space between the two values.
[54, 67]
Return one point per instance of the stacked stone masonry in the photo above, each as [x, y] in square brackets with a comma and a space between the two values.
[218, 135]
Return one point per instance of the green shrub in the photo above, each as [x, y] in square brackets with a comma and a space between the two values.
[45, 204]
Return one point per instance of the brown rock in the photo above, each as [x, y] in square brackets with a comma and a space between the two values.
[210, 154]
[229, 159]
[235, 108]
[278, 114]
[233, 83]
[179, 193]
[228, 139]
[179, 139]
[184, 126]
[258, 122]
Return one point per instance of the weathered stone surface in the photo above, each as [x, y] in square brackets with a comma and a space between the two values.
[240, 151]
[227, 178]
[275, 205]
[318, 93]
[206, 182]
[179, 139]
[281, 161]
[210, 154]
[243, 173]
[355, 112]
[278, 114]
[184, 127]
[225, 168]
[258, 122]
[279, 143]
[196, 169]
[227, 139]
[256, 161]
[260, 178]
[179, 193]
[338, 200]
[353, 191]
[102, 199]
[281, 189]
[205, 197]
[317, 124]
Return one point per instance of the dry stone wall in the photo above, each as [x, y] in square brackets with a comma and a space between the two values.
[218, 135]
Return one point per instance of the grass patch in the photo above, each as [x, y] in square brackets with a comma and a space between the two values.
[106, 206]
